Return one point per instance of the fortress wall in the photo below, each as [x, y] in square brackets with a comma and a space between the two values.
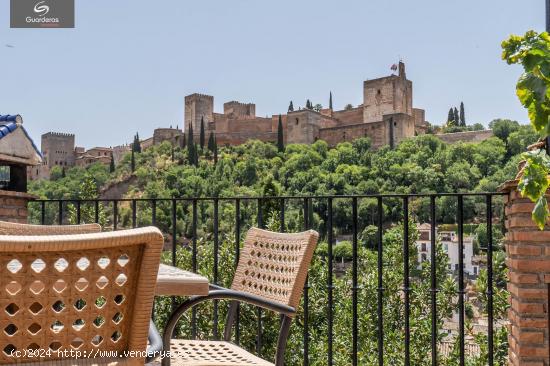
[376, 131]
[351, 116]
[237, 138]
[470, 136]
[258, 124]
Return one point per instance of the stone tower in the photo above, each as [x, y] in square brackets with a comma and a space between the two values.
[387, 95]
[198, 106]
[58, 149]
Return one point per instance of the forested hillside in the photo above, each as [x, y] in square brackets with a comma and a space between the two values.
[419, 165]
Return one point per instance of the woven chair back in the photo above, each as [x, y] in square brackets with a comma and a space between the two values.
[85, 293]
[274, 265]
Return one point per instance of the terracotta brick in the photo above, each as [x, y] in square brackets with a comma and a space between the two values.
[521, 222]
[534, 338]
[532, 351]
[524, 278]
[540, 236]
[527, 307]
[525, 207]
[529, 265]
[525, 249]
[540, 323]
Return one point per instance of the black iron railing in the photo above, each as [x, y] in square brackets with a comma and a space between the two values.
[57, 211]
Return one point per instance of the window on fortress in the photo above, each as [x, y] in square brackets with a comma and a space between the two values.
[379, 92]
[297, 121]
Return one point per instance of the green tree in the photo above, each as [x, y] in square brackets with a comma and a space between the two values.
[502, 128]
[136, 146]
[215, 151]
[87, 190]
[280, 137]
[202, 134]
[462, 115]
[211, 141]
[195, 155]
[451, 118]
[190, 137]
[56, 172]
[112, 164]
[133, 162]
[291, 107]
[456, 117]
[348, 107]
[330, 101]
[317, 107]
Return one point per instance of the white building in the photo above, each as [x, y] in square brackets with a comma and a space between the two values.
[449, 241]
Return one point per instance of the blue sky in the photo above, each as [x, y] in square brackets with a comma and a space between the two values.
[128, 64]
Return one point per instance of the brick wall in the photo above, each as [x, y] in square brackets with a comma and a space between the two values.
[528, 261]
[13, 206]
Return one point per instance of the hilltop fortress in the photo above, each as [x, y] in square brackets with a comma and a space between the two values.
[386, 116]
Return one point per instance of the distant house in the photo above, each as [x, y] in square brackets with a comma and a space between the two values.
[449, 241]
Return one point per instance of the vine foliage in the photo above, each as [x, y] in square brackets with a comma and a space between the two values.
[532, 51]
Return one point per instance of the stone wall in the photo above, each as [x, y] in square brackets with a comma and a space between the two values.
[351, 116]
[470, 136]
[238, 109]
[302, 126]
[168, 134]
[387, 95]
[58, 149]
[394, 128]
[198, 106]
[225, 139]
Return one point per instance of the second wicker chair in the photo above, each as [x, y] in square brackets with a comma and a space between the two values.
[271, 274]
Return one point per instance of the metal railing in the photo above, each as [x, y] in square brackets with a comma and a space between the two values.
[324, 210]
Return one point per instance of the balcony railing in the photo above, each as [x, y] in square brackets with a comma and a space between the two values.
[188, 221]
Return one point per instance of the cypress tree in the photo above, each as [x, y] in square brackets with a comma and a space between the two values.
[451, 117]
[330, 101]
[215, 151]
[202, 134]
[456, 118]
[133, 161]
[211, 141]
[462, 115]
[190, 135]
[63, 172]
[308, 104]
[291, 107]
[280, 138]
[112, 165]
[137, 143]
[183, 141]
[191, 153]
[196, 155]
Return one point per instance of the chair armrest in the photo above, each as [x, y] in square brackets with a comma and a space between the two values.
[219, 293]
[154, 348]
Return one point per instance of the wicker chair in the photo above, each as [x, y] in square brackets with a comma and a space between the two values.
[10, 228]
[86, 293]
[271, 274]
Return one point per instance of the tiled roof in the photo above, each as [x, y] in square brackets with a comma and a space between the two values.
[9, 123]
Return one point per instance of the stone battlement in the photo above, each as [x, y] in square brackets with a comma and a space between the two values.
[199, 96]
[58, 134]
